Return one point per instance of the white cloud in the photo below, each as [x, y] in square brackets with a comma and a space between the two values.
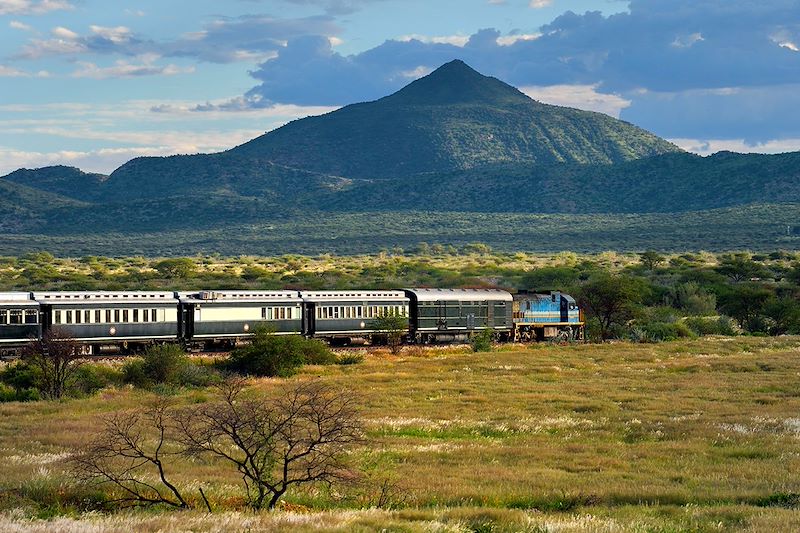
[417, 72]
[126, 69]
[687, 41]
[11, 72]
[508, 40]
[104, 160]
[125, 130]
[17, 25]
[711, 146]
[580, 96]
[455, 40]
[539, 4]
[789, 45]
[61, 32]
[117, 35]
[32, 7]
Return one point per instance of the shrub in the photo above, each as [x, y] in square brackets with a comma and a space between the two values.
[21, 376]
[89, 379]
[350, 359]
[166, 364]
[277, 355]
[711, 326]
[10, 394]
[482, 342]
[660, 331]
[133, 373]
[163, 364]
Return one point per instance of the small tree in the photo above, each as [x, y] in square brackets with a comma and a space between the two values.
[300, 437]
[393, 326]
[651, 259]
[611, 299]
[178, 268]
[129, 452]
[56, 358]
[482, 341]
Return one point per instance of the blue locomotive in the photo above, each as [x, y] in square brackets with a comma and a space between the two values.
[129, 320]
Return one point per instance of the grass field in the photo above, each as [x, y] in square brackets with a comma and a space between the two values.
[696, 435]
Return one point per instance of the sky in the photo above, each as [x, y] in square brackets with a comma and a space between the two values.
[94, 83]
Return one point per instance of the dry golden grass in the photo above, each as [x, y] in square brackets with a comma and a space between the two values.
[693, 435]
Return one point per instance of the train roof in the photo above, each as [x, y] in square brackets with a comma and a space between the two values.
[17, 298]
[239, 296]
[330, 296]
[78, 297]
[434, 295]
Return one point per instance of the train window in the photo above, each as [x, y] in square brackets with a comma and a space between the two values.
[31, 316]
[97, 315]
[553, 297]
[87, 317]
[263, 313]
[146, 315]
[116, 316]
[153, 315]
[108, 316]
[360, 312]
[3, 317]
[136, 315]
[78, 317]
[125, 315]
[348, 312]
[57, 317]
[69, 317]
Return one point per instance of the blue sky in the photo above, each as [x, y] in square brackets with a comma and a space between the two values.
[93, 83]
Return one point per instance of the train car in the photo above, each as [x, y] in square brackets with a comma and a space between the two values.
[547, 316]
[106, 319]
[227, 317]
[344, 316]
[447, 315]
[19, 321]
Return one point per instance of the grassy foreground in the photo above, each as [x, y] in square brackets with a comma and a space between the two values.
[697, 435]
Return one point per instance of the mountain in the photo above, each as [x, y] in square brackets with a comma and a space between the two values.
[67, 181]
[669, 183]
[452, 119]
[454, 145]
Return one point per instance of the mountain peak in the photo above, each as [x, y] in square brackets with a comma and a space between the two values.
[456, 83]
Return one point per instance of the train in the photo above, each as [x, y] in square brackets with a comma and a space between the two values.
[128, 321]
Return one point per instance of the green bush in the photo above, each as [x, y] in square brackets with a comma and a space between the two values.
[166, 364]
[10, 394]
[163, 363]
[133, 373]
[197, 375]
[711, 326]
[482, 342]
[21, 376]
[89, 379]
[660, 331]
[277, 355]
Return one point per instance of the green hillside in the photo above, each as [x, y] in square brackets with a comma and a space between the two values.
[66, 181]
[453, 119]
[668, 183]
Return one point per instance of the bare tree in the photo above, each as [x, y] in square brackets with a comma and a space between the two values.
[300, 437]
[129, 449]
[57, 356]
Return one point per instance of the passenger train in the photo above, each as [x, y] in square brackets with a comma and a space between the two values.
[128, 321]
